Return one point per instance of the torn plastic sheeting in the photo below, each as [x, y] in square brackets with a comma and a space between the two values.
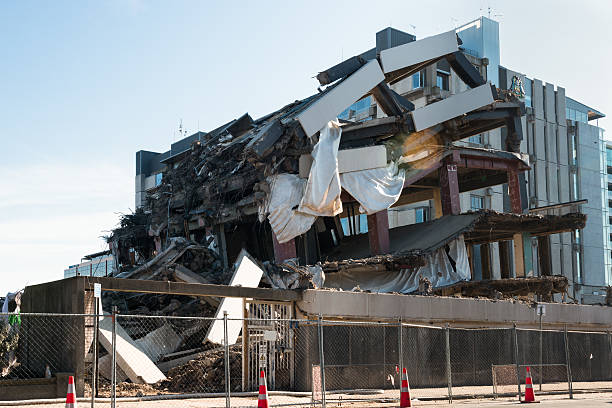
[375, 189]
[286, 192]
[322, 193]
[439, 270]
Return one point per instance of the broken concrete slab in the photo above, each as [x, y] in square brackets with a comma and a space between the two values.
[362, 158]
[104, 368]
[134, 362]
[248, 274]
[452, 107]
[327, 107]
[183, 274]
[416, 52]
[160, 341]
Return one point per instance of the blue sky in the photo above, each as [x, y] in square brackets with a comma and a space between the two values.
[85, 84]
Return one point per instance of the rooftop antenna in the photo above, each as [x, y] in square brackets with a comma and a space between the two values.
[182, 131]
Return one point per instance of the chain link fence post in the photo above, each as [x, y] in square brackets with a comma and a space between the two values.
[400, 349]
[541, 370]
[516, 361]
[449, 377]
[114, 359]
[94, 371]
[321, 360]
[226, 361]
[609, 354]
[567, 361]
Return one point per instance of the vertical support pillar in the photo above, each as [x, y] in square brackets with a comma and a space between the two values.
[568, 365]
[449, 189]
[378, 232]
[519, 255]
[437, 202]
[283, 251]
[449, 376]
[514, 191]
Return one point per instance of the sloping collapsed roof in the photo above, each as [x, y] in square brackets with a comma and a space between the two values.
[477, 227]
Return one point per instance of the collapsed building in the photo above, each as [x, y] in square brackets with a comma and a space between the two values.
[293, 185]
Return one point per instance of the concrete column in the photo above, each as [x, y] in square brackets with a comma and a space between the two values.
[437, 203]
[284, 251]
[449, 189]
[514, 191]
[378, 232]
[519, 255]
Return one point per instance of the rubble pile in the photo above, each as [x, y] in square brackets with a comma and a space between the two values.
[545, 286]
[205, 373]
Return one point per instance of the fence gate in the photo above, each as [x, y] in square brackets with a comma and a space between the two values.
[269, 343]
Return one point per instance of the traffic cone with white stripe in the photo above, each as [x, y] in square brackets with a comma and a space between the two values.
[405, 390]
[262, 399]
[529, 395]
[71, 397]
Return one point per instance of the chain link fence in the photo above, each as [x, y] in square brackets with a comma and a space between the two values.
[122, 360]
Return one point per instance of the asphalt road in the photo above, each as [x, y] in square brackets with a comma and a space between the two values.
[581, 401]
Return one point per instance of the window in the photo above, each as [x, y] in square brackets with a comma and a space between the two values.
[158, 179]
[476, 202]
[527, 83]
[417, 81]
[442, 80]
[358, 111]
[476, 139]
[573, 114]
[359, 222]
[421, 214]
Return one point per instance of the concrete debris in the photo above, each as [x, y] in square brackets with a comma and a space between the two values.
[545, 286]
[288, 275]
[204, 372]
[133, 361]
[247, 274]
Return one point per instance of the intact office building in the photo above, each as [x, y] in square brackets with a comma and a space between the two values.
[568, 159]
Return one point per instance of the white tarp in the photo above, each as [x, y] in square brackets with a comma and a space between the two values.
[247, 274]
[322, 193]
[375, 189]
[286, 192]
[438, 270]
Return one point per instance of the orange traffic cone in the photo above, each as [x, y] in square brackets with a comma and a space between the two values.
[71, 397]
[262, 399]
[529, 395]
[405, 390]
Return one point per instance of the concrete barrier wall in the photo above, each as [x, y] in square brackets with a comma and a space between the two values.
[459, 312]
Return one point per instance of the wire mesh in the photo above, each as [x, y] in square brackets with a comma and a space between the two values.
[473, 354]
[362, 360]
[590, 360]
